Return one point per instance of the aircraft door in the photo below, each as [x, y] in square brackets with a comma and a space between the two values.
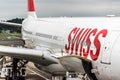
[107, 49]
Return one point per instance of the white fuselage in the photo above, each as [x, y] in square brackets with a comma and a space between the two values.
[96, 39]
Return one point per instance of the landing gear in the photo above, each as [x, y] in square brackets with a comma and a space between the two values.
[16, 71]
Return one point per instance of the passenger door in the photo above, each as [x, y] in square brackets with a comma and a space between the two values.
[107, 49]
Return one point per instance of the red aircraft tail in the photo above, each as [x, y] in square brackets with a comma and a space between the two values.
[31, 9]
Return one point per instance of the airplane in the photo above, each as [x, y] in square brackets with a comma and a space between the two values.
[60, 46]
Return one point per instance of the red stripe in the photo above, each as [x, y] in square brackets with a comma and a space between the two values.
[31, 5]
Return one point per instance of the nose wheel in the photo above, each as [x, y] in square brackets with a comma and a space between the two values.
[16, 71]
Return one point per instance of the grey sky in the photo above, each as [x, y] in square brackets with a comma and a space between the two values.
[57, 8]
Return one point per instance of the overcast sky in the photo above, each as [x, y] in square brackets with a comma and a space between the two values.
[57, 8]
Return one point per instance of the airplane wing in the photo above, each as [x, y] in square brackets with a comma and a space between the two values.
[36, 56]
[11, 24]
